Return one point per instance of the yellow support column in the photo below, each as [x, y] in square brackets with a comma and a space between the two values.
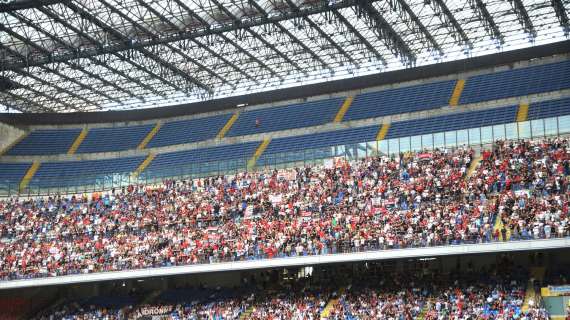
[227, 126]
[383, 132]
[343, 109]
[149, 136]
[143, 165]
[78, 141]
[456, 95]
[522, 114]
[258, 152]
[473, 166]
[29, 175]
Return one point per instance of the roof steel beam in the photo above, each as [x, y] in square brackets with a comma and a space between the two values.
[174, 69]
[401, 5]
[323, 34]
[288, 33]
[385, 32]
[81, 33]
[449, 20]
[522, 15]
[488, 22]
[27, 103]
[30, 75]
[212, 52]
[175, 49]
[26, 4]
[178, 36]
[562, 15]
[360, 37]
[260, 38]
[37, 27]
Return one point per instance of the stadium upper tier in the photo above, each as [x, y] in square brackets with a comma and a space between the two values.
[391, 120]
[516, 190]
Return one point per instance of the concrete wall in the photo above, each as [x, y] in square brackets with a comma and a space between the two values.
[8, 135]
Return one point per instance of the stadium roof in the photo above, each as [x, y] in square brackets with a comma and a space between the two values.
[87, 55]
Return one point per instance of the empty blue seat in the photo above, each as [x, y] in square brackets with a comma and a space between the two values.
[400, 100]
[286, 117]
[202, 161]
[456, 121]
[517, 82]
[547, 109]
[45, 142]
[12, 173]
[187, 131]
[80, 173]
[114, 139]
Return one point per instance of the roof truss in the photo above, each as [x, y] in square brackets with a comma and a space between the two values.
[87, 55]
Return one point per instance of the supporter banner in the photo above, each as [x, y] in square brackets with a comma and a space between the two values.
[552, 291]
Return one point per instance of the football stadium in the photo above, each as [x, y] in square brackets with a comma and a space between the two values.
[284, 159]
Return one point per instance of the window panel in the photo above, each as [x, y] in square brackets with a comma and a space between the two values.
[462, 137]
[499, 132]
[486, 135]
[511, 130]
[524, 129]
[427, 141]
[439, 140]
[550, 126]
[474, 136]
[537, 127]
[564, 124]
[451, 138]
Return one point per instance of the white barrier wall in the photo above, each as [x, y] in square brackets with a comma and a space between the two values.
[496, 247]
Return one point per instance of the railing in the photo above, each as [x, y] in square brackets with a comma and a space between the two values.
[474, 137]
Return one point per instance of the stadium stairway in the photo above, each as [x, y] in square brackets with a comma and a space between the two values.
[258, 152]
[227, 126]
[473, 166]
[29, 175]
[343, 109]
[246, 313]
[424, 310]
[77, 142]
[146, 162]
[530, 295]
[149, 136]
[330, 305]
[522, 113]
[498, 226]
[456, 95]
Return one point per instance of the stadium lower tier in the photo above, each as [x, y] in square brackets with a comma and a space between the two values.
[433, 198]
[503, 290]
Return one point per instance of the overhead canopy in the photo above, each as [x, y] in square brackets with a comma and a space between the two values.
[86, 55]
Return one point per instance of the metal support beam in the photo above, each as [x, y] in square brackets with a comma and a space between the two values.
[26, 4]
[360, 37]
[260, 38]
[210, 51]
[385, 32]
[167, 65]
[119, 46]
[94, 41]
[403, 8]
[562, 15]
[449, 20]
[522, 15]
[168, 45]
[323, 34]
[488, 22]
[78, 66]
[288, 33]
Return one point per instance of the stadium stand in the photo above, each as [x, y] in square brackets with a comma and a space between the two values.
[401, 100]
[415, 200]
[77, 173]
[517, 82]
[188, 131]
[293, 116]
[45, 142]
[371, 291]
[114, 139]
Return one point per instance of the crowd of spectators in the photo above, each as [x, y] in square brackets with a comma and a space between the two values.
[497, 293]
[412, 200]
